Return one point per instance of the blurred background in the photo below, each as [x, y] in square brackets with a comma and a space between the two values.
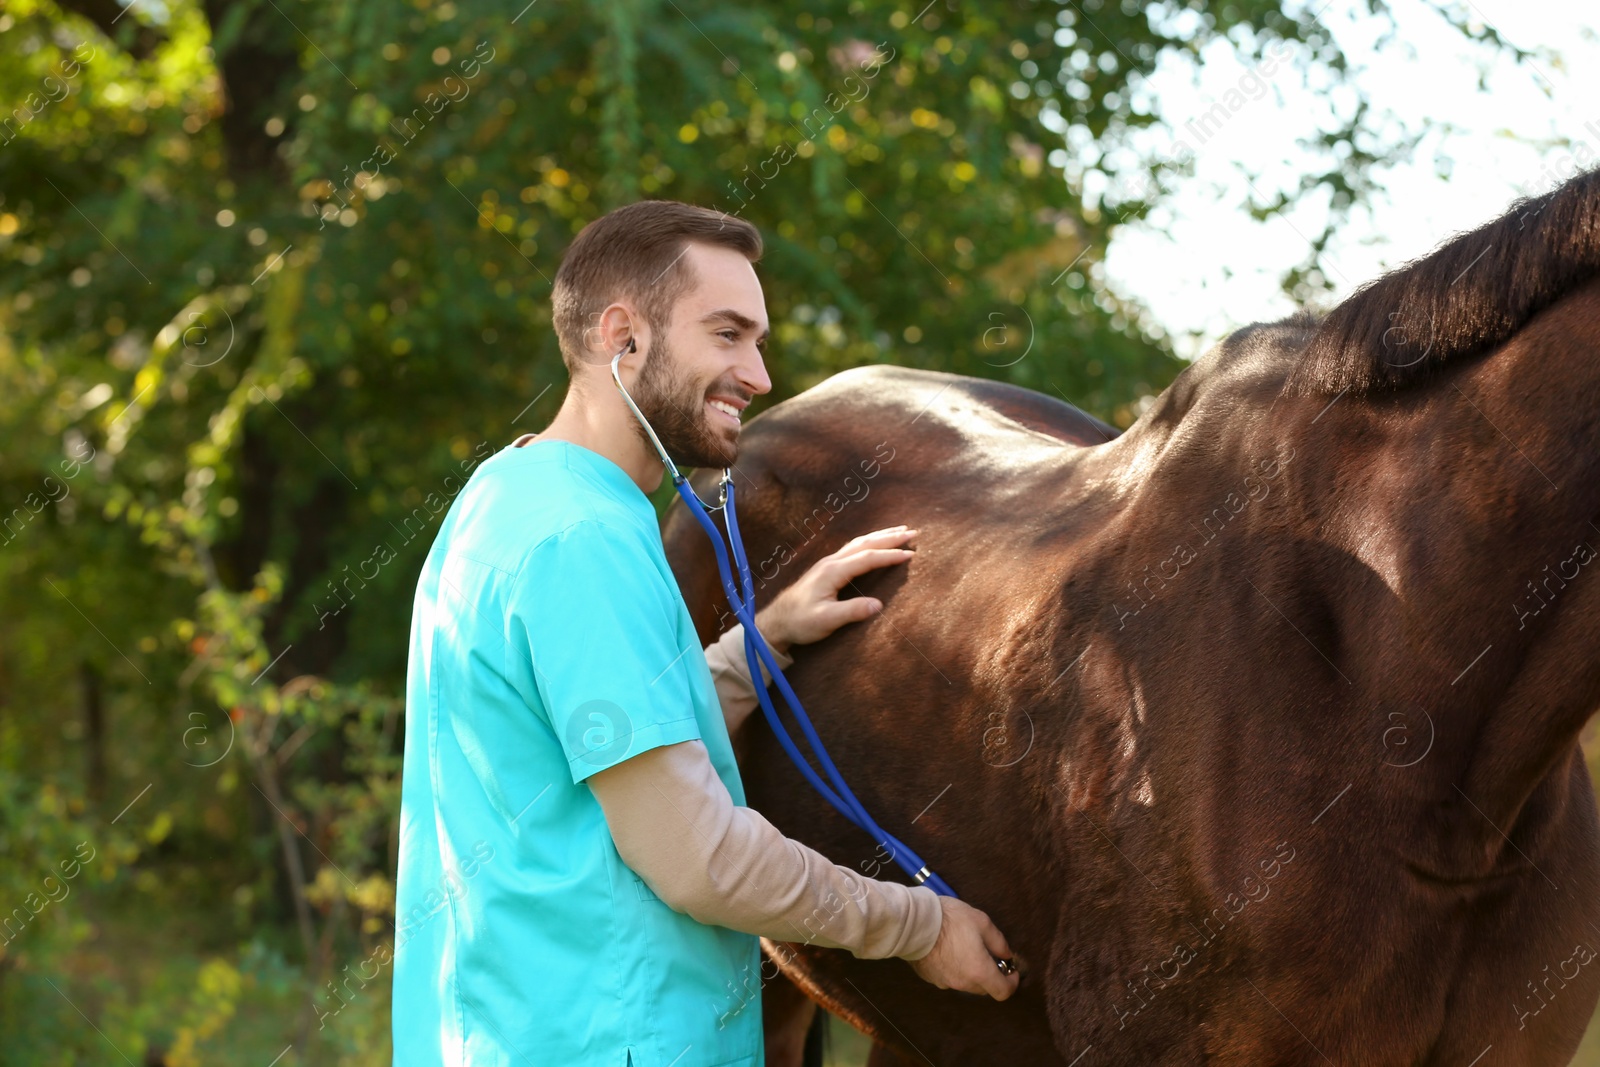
[275, 276]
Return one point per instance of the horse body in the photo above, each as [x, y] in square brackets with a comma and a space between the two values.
[1253, 728]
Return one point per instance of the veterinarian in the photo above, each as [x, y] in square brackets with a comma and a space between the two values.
[579, 880]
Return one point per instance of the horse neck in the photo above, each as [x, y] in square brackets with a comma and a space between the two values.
[1486, 482]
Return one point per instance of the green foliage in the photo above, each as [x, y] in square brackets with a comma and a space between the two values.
[276, 277]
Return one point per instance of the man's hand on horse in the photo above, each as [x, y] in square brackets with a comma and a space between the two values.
[810, 609]
[965, 956]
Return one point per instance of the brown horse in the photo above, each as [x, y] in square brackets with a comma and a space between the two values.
[1255, 727]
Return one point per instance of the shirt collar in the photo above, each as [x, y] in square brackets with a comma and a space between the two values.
[604, 472]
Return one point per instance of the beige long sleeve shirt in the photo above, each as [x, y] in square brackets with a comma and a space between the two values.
[677, 827]
[730, 672]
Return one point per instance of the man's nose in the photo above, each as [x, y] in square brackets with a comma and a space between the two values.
[753, 374]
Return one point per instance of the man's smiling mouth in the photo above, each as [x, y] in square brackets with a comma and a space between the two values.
[725, 409]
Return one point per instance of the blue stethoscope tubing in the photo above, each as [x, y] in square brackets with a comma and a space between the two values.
[757, 652]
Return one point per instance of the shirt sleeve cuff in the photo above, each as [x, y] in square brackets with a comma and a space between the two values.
[731, 659]
[927, 917]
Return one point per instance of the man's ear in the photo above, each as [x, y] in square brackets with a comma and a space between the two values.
[611, 330]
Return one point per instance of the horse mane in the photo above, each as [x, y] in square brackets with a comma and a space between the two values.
[1468, 295]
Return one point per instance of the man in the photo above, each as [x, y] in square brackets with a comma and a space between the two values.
[579, 882]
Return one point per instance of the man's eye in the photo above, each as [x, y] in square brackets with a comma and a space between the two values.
[731, 335]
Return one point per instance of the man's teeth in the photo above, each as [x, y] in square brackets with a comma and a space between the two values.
[720, 406]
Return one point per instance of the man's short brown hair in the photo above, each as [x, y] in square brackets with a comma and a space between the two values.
[636, 253]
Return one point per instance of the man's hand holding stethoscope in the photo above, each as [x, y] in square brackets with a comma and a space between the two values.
[810, 609]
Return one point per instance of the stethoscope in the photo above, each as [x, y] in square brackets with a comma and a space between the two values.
[758, 652]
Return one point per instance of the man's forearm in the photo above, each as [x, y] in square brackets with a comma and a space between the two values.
[676, 826]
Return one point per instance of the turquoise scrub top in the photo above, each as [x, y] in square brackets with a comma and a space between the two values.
[549, 640]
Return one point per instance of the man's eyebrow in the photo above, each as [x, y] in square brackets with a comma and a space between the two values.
[744, 322]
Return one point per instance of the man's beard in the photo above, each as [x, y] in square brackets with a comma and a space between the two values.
[676, 409]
